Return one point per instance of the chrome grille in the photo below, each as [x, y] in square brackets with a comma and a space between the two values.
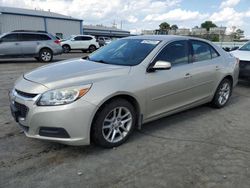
[26, 95]
[21, 109]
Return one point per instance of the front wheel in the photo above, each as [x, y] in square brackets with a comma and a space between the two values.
[45, 55]
[222, 94]
[114, 123]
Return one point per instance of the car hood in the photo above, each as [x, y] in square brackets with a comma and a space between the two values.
[241, 54]
[74, 72]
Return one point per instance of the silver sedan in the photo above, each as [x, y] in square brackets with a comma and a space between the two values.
[102, 98]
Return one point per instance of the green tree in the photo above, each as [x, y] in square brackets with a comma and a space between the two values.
[207, 25]
[239, 34]
[164, 26]
[174, 27]
[215, 38]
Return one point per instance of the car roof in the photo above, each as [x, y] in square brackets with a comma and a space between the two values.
[165, 37]
[82, 36]
[29, 32]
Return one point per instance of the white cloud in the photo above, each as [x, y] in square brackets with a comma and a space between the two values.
[132, 19]
[96, 11]
[229, 3]
[176, 15]
[229, 16]
[232, 19]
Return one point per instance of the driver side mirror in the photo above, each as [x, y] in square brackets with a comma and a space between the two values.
[160, 65]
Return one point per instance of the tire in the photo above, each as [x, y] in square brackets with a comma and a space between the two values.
[222, 94]
[66, 48]
[45, 55]
[113, 124]
[92, 48]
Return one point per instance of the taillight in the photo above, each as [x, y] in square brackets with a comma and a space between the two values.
[57, 41]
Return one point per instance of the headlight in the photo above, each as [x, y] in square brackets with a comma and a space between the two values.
[62, 96]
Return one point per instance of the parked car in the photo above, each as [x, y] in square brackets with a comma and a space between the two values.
[243, 53]
[38, 44]
[80, 42]
[58, 38]
[131, 81]
[104, 40]
[229, 49]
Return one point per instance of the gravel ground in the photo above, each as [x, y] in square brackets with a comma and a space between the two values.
[202, 147]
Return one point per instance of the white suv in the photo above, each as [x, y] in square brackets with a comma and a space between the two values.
[80, 42]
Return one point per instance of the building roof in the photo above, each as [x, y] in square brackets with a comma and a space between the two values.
[100, 30]
[37, 13]
[103, 28]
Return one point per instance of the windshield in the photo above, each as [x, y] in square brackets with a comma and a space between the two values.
[128, 52]
[245, 47]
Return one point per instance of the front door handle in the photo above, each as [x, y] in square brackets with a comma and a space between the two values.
[188, 75]
[217, 68]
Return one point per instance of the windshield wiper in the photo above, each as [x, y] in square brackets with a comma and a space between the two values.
[100, 61]
[86, 57]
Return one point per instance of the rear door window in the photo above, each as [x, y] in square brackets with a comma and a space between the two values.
[33, 37]
[202, 51]
[78, 38]
[87, 38]
[44, 37]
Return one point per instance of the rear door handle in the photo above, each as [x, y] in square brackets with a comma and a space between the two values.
[188, 75]
[217, 68]
[16, 43]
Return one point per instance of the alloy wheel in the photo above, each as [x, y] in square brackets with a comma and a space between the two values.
[117, 124]
[224, 93]
[46, 56]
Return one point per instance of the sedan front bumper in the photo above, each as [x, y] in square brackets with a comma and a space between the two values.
[68, 124]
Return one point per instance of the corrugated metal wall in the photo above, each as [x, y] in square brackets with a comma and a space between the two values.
[15, 22]
[10, 22]
[66, 27]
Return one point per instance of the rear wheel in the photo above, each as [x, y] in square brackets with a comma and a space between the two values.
[222, 94]
[66, 48]
[45, 55]
[114, 123]
[92, 48]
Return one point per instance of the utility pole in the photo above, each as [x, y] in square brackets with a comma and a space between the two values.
[114, 24]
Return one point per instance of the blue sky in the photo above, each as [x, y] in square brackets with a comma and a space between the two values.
[137, 15]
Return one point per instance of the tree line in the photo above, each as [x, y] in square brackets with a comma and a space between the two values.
[237, 34]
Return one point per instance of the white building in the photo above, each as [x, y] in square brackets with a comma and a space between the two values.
[27, 19]
[218, 30]
[199, 31]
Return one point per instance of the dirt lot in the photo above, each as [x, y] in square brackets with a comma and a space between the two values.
[202, 147]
